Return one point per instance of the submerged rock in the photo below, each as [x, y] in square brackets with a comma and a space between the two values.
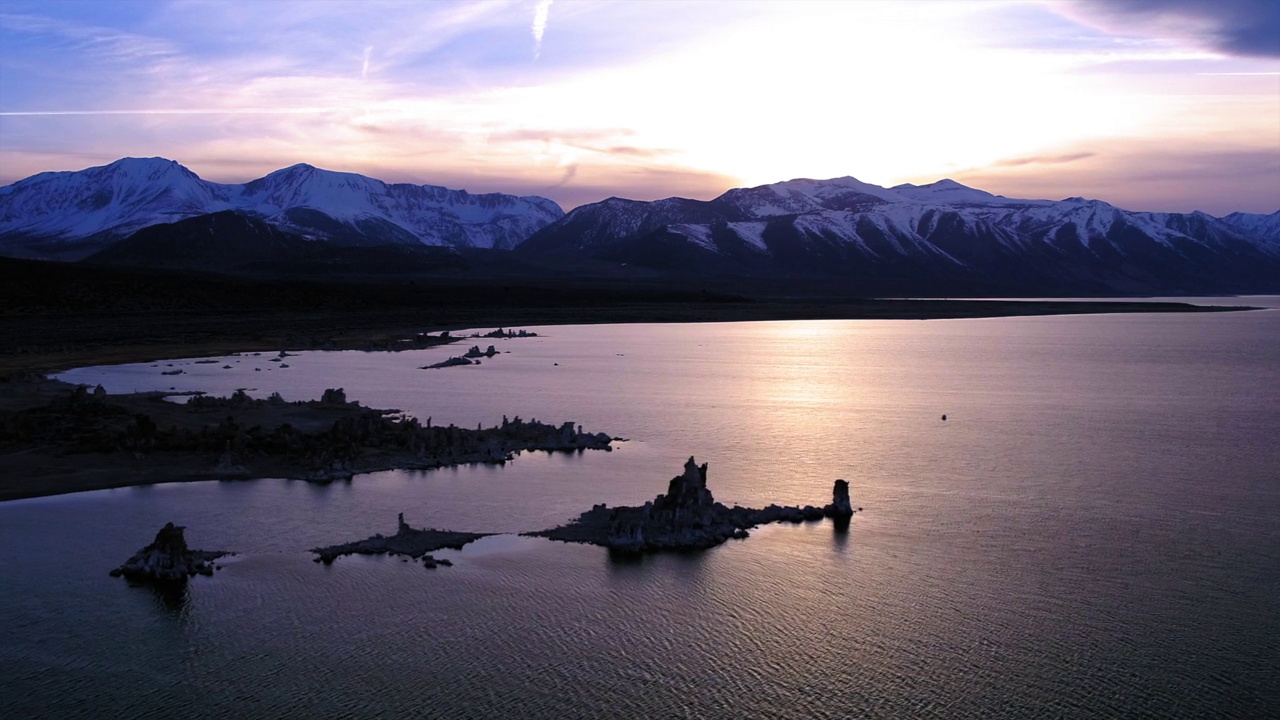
[686, 517]
[168, 559]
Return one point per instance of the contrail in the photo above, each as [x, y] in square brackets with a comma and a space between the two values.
[202, 111]
[539, 25]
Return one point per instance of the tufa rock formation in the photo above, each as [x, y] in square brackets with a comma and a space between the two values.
[501, 333]
[407, 541]
[168, 559]
[331, 396]
[840, 506]
[687, 517]
[451, 362]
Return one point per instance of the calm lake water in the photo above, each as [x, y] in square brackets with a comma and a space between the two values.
[1093, 532]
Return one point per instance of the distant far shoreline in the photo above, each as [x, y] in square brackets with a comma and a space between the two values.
[60, 316]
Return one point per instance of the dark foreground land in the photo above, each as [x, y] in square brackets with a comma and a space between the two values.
[56, 316]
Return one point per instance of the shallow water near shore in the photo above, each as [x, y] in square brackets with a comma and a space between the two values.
[1093, 531]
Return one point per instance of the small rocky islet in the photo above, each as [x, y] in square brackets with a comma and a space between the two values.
[470, 357]
[168, 559]
[408, 541]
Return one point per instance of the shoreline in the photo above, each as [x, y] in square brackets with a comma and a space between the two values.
[49, 344]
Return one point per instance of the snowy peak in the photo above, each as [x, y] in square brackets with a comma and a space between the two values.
[343, 195]
[962, 237]
[47, 213]
[114, 199]
[946, 191]
[1257, 224]
[850, 194]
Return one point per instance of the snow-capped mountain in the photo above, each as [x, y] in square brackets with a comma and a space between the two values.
[74, 213]
[1256, 224]
[942, 237]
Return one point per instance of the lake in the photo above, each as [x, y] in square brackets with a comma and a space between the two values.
[1094, 530]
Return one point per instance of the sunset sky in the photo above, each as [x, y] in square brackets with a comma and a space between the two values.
[1150, 105]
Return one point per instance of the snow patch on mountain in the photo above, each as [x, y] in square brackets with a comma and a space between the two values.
[751, 233]
[697, 234]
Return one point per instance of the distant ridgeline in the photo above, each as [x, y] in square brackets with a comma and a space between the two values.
[855, 238]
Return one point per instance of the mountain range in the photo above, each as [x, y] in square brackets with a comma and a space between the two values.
[843, 234]
[73, 214]
[942, 237]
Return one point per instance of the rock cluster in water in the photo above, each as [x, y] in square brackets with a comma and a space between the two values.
[501, 333]
[686, 517]
[470, 357]
[450, 362]
[168, 559]
[407, 541]
[259, 437]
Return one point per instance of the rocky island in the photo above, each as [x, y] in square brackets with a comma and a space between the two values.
[470, 357]
[407, 541]
[686, 517]
[168, 559]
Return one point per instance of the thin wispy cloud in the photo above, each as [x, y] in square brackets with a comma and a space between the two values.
[364, 66]
[176, 111]
[540, 13]
[99, 42]
[1044, 159]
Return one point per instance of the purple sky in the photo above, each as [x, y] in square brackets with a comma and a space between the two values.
[1148, 104]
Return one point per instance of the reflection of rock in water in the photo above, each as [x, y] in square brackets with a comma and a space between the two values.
[686, 517]
[168, 559]
[841, 526]
[171, 596]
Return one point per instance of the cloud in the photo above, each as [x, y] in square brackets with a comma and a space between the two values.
[539, 25]
[1044, 159]
[364, 67]
[101, 43]
[177, 111]
[570, 173]
[1149, 175]
[1248, 28]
